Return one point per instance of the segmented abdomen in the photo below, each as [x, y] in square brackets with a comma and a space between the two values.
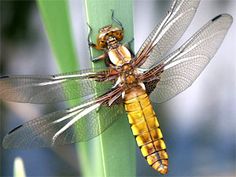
[145, 128]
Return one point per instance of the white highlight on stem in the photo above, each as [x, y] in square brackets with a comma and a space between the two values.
[19, 170]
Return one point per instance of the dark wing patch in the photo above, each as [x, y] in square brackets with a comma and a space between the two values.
[150, 86]
[15, 129]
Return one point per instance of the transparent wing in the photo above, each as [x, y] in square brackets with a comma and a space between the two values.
[184, 65]
[54, 88]
[49, 130]
[168, 32]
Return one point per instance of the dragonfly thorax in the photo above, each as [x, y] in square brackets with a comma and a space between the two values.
[128, 75]
[119, 55]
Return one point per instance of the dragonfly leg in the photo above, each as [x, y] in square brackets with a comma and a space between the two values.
[91, 44]
[100, 57]
[115, 20]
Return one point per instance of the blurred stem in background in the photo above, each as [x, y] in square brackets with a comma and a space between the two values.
[56, 21]
[110, 154]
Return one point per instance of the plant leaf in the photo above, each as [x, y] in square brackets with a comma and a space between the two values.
[113, 152]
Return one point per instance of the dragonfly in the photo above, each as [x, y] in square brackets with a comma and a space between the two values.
[128, 85]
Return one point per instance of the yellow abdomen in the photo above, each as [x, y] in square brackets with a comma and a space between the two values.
[145, 128]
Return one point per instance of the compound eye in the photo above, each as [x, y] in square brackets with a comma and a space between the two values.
[118, 35]
[102, 43]
[107, 36]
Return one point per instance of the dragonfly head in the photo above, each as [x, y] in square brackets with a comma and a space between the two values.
[108, 32]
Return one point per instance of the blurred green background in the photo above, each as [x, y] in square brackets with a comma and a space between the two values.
[199, 125]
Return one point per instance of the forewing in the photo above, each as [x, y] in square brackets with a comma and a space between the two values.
[168, 32]
[184, 65]
[40, 132]
[54, 88]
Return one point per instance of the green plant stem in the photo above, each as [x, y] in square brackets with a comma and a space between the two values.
[113, 152]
